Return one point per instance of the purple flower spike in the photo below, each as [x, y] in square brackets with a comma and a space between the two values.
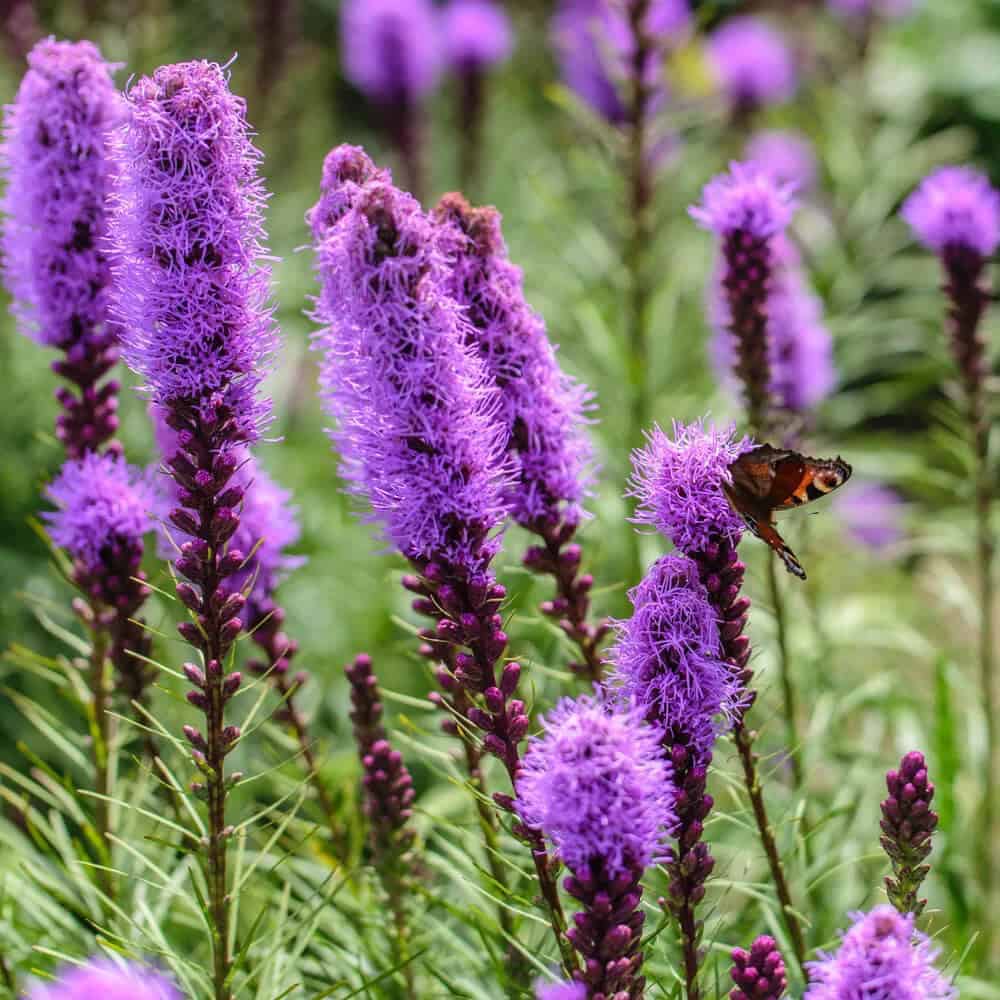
[881, 955]
[391, 48]
[873, 515]
[595, 45]
[476, 34]
[58, 165]
[598, 786]
[560, 991]
[787, 158]
[678, 482]
[759, 974]
[753, 63]
[192, 281]
[907, 824]
[346, 170]
[747, 201]
[416, 416]
[108, 980]
[955, 207]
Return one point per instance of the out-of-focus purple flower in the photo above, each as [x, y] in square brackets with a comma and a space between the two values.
[192, 282]
[883, 956]
[108, 980]
[58, 164]
[542, 409]
[888, 9]
[594, 45]
[786, 157]
[759, 974]
[800, 348]
[668, 659]
[955, 207]
[560, 991]
[103, 504]
[679, 481]
[873, 514]
[746, 200]
[391, 48]
[753, 63]
[597, 785]
[476, 35]
[416, 413]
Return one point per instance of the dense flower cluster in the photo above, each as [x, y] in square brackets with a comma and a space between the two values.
[476, 35]
[678, 481]
[881, 955]
[192, 283]
[787, 158]
[107, 980]
[595, 45]
[747, 201]
[416, 413]
[753, 63]
[758, 974]
[58, 165]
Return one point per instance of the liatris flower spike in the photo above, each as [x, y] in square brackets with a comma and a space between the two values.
[748, 211]
[753, 63]
[881, 955]
[668, 661]
[57, 160]
[596, 48]
[543, 410]
[759, 974]
[104, 510]
[907, 825]
[193, 290]
[392, 53]
[597, 784]
[477, 36]
[100, 977]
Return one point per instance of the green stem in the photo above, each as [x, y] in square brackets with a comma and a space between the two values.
[789, 699]
[100, 731]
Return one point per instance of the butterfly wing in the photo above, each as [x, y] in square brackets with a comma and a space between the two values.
[799, 480]
[758, 520]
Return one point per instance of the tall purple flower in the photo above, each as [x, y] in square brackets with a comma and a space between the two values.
[100, 977]
[420, 439]
[873, 515]
[58, 164]
[787, 157]
[392, 53]
[668, 662]
[880, 955]
[597, 784]
[748, 211]
[541, 408]
[753, 62]
[758, 974]
[596, 45]
[193, 289]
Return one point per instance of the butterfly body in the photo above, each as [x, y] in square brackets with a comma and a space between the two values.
[766, 479]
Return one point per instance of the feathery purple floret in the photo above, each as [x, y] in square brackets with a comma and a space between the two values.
[346, 170]
[594, 46]
[193, 283]
[883, 956]
[955, 207]
[416, 413]
[753, 63]
[745, 200]
[103, 503]
[108, 980]
[391, 48]
[560, 991]
[476, 35]
[57, 160]
[787, 158]
[668, 658]
[678, 482]
[541, 408]
[872, 513]
[597, 784]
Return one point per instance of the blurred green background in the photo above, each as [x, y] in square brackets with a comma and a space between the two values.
[882, 645]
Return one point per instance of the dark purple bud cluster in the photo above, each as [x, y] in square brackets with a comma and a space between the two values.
[388, 788]
[907, 825]
[759, 974]
[607, 931]
[89, 417]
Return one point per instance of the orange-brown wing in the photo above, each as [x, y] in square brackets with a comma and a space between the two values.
[768, 533]
[799, 480]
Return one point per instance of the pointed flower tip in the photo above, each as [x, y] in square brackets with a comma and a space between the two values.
[955, 207]
[745, 201]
